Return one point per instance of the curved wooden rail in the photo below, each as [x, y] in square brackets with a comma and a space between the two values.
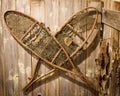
[79, 74]
[57, 66]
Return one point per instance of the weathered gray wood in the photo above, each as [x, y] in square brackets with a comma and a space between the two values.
[111, 18]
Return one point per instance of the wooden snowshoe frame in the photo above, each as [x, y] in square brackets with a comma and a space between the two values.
[56, 51]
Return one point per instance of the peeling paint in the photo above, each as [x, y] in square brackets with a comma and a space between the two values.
[11, 76]
[21, 67]
[5, 40]
[28, 70]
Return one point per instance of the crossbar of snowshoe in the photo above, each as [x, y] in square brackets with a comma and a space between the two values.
[80, 75]
[57, 66]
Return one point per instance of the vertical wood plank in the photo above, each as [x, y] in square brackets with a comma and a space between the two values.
[8, 44]
[111, 36]
[24, 60]
[27, 57]
[43, 67]
[53, 83]
[115, 45]
[17, 65]
[37, 12]
[69, 11]
[63, 81]
[77, 7]
[3, 8]
[13, 74]
[2, 76]
[21, 55]
[93, 48]
[84, 62]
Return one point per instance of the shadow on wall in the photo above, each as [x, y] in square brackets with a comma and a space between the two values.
[78, 60]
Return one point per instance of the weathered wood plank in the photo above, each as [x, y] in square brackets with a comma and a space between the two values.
[111, 36]
[115, 48]
[83, 64]
[14, 72]
[2, 76]
[50, 82]
[42, 67]
[8, 44]
[92, 49]
[37, 13]
[69, 12]
[111, 18]
[107, 30]
[18, 64]
[63, 83]
[77, 5]
[24, 60]
[27, 59]
[54, 25]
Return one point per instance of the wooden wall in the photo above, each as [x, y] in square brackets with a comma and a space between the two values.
[16, 65]
[112, 37]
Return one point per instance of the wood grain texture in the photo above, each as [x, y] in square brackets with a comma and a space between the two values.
[64, 91]
[114, 44]
[112, 19]
[17, 65]
[111, 36]
[2, 76]
[10, 75]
